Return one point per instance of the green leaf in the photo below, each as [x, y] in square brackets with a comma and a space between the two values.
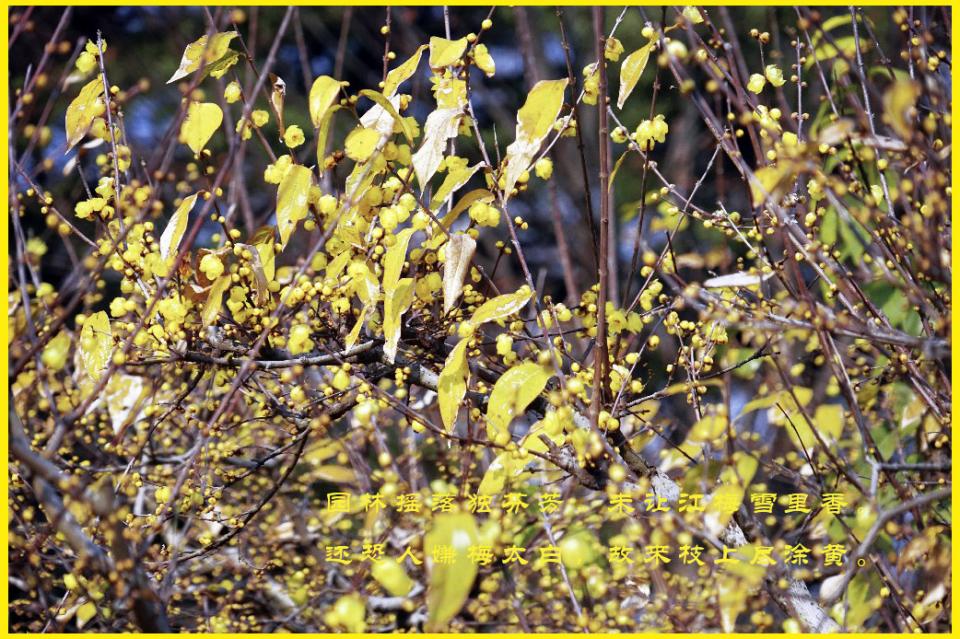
[292, 200]
[399, 75]
[83, 110]
[96, 344]
[202, 121]
[631, 69]
[511, 395]
[534, 121]
[450, 584]
[173, 233]
[198, 49]
[323, 95]
[452, 384]
[444, 53]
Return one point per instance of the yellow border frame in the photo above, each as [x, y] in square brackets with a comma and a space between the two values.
[4, 304]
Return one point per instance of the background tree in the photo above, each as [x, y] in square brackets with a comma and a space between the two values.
[423, 254]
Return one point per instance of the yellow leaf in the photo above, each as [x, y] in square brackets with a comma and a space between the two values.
[708, 428]
[392, 577]
[85, 613]
[397, 76]
[630, 71]
[173, 233]
[323, 130]
[508, 465]
[355, 331]
[899, 107]
[459, 253]
[502, 306]
[393, 260]
[445, 52]
[263, 239]
[772, 181]
[725, 501]
[96, 344]
[452, 384]
[335, 474]
[202, 121]
[476, 195]
[323, 94]
[211, 307]
[450, 584]
[387, 105]
[454, 180]
[827, 419]
[293, 197]
[534, 121]
[441, 125]
[395, 304]
[83, 110]
[198, 49]
[511, 395]
[361, 143]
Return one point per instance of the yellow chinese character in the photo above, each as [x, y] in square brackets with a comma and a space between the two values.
[549, 502]
[655, 504]
[763, 502]
[691, 554]
[513, 555]
[373, 502]
[479, 503]
[408, 554]
[833, 555]
[797, 503]
[408, 503]
[443, 503]
[834, 502]
[763, 556]
[656, 554]
[798, 555]
[443, 554]
[690, 503]
[620, 504]
[372, 552]
[620, 554]
[549, 554]
[726, 502]
[513, 502]
[727, 559]
[482, 555]
[338, 502]
[339, 554]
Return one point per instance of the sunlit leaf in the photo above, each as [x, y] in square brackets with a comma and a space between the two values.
[361, 143]
[292, 200]
[323, 95]
[393, 259]
[173, 233]
[459, 253]
[202, 121]
[211, 307]
[397, 76]
[502, 306]
[737, 280]
[534, 121]
[387, 107]
[450, 584]
[391, 575]
[445, 52]
[441, 125]
[511, 395]
[395, 304]
[452, 384]
[454, 179]
[83, 110]
[198, 49]
[631, 69]
[335, 474]
[96, 344]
